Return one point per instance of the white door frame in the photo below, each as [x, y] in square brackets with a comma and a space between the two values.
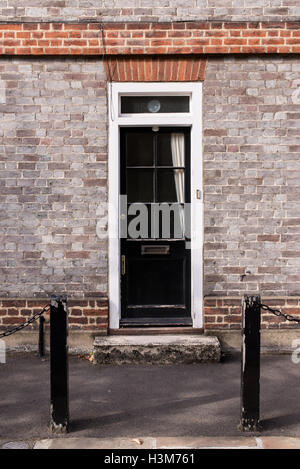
[193, 119]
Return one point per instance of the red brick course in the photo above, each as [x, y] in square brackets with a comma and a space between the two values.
[89, 315]
[225, 313]
[92, 314]
[149, 38]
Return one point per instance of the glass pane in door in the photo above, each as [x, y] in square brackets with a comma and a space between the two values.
[170, 185]
[140, 185]
[171, 150]
[140, 151]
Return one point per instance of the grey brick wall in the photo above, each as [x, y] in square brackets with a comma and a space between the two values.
[154, 10]
[252, 176]
[53, 169]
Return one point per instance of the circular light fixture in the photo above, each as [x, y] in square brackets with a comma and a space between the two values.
[153, 105]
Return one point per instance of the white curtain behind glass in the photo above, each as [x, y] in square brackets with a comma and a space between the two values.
[177, 148]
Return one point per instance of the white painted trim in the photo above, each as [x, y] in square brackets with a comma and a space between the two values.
[192, 120]
[113, 223]
[197, 209]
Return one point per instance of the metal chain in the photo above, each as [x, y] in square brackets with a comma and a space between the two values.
[29, 321]
[279, 313]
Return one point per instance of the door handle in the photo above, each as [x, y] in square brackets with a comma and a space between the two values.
[123, 264]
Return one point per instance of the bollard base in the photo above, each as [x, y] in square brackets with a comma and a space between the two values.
[58, 429]
[250, 425]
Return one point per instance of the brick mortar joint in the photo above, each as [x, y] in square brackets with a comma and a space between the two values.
[138, 25]
[149, 22]
[20, 303]
[177, 21]
[266, 297]
[19, 298]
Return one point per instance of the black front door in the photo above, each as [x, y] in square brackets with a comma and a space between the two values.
[155, 254]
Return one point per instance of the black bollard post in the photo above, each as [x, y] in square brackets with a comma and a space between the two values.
[250, 386]
[41, 337]
[59, 422]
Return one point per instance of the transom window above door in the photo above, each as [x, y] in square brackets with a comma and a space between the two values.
[154, 104]
[158, 102]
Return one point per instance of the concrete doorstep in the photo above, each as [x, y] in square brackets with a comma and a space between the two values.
[156, 349]
[169, 443]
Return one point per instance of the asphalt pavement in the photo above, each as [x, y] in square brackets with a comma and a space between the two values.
[175, 401]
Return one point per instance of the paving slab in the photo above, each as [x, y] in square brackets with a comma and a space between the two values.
[205, 442]
[273, 442]
[15, 445]
[96, 443]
